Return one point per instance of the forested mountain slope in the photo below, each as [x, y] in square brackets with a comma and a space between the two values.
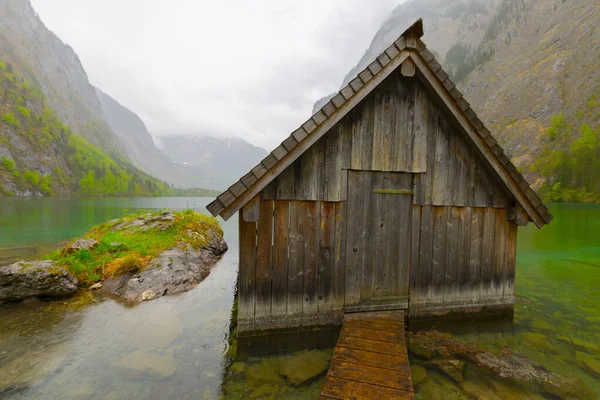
[48, 63]
[39, 155]
[531, 70]
[139, 144]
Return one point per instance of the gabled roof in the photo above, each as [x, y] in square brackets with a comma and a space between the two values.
[430, 71]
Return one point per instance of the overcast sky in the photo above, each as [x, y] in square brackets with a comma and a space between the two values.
[242, 68]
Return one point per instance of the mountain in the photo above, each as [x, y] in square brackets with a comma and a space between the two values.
[215, 163]
[139, 145]
[48, 63]
[41, 156]
[447, 23]
[531, 69]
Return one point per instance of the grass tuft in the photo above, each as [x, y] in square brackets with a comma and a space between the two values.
[122, 249]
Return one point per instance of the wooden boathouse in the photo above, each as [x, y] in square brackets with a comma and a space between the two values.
[393, 196]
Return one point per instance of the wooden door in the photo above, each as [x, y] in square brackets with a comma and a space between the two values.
[378, 240]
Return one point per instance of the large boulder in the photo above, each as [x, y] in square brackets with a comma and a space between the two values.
[174, 271]
[41, 278]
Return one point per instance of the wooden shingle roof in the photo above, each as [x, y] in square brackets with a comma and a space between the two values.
[408, 45]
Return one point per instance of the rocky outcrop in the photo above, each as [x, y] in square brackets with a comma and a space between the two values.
[23, 279]
[83, 244]
[174, 270]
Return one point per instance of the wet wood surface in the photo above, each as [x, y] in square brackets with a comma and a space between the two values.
[370, 359]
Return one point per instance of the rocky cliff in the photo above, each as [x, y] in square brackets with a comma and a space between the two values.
[47, 62]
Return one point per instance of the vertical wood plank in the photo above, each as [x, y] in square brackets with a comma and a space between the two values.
[280, 258]
[488, 244]
[451, 263]
[464, 247]
[381, 128]
[339, 281]
[425, 254]
[415, 245]
[270, 191]
[405, 231]
[346, 127]
[500, 265]
[311, 258]
[264, 256]
[296, 259]
[333, 163]
[250, 212]
[247, 270]
[326, 256]
[420, 130]
[285, 183]
[354, 229]
[481, 185]
[380, 218]
[321, 183]
[438, 257]
[362, 135]
[511, 259]
[310, 174]
[368, 236]
[475, 253]
[460, 159]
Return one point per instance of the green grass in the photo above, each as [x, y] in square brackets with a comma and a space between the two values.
[123, 251]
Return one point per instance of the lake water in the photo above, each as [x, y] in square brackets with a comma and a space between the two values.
[91, 346]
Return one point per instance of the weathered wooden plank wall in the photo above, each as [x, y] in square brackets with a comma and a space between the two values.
[465, 259]
[392, 201]
[291, 265]
[399, 128]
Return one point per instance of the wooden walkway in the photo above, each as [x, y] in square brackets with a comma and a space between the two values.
[370, 359]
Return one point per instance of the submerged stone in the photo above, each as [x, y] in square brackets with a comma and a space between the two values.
[590, 362]
[538, 341]
[418, 374]
[266, 390]
[239, 367]
[580, 343]
[452, 368]
[141, 365]
[304, 366]
[421, 351]
[43, 278]
[31, 368]
[479, 390]
[260, 373]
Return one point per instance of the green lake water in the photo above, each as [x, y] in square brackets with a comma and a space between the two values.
[93, 347]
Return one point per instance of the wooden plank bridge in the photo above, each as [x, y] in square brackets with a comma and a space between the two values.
[370, 359]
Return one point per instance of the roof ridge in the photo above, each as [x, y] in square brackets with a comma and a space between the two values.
[410, 39]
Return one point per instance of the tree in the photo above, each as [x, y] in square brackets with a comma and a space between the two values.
[87, 184]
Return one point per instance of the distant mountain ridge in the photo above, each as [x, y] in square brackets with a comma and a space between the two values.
[213, 162]
[138, 143]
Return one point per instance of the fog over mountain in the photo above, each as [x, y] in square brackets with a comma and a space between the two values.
[251, 70]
